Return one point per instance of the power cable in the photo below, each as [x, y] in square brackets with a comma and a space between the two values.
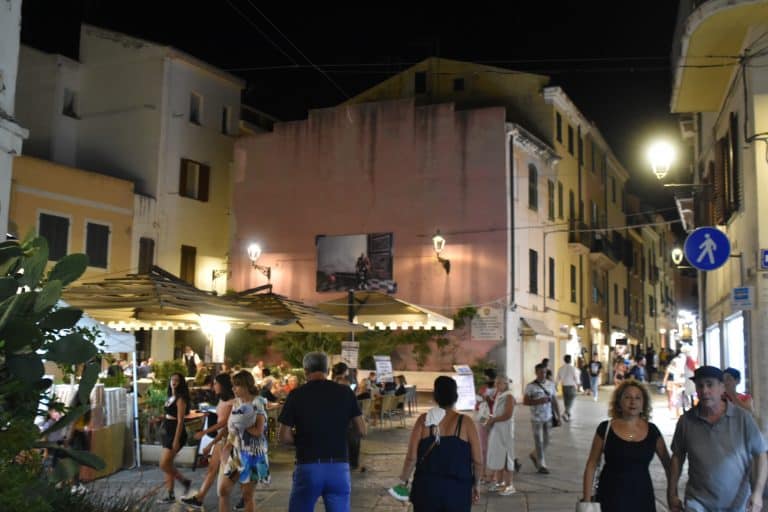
[263, 34]
[335, 84]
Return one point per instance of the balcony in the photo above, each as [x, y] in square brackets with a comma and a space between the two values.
[707, 33]
[603, 253]
[579, 239]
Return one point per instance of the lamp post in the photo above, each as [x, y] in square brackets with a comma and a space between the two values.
[254, 253]
[438, 244]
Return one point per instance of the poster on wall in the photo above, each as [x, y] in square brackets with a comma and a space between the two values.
[488, 324]
[383, 369]
[465, 383]
[355, 262]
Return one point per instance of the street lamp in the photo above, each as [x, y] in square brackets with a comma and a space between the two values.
[254, 253]
[661, 155]
[677, 255]
[438, 244]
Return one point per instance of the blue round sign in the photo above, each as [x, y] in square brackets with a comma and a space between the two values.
[707, 248]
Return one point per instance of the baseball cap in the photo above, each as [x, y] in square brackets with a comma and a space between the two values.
[707, 372]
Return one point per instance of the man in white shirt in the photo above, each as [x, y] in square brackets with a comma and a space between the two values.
[568, 377]
[540, 395]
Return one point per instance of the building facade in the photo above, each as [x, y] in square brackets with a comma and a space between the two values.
[11, 132]
[76, 211]
[153, 115]
[725, 105]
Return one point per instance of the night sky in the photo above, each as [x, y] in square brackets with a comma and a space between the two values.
[612, 58]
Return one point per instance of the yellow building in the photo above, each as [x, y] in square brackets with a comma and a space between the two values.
[76, 211]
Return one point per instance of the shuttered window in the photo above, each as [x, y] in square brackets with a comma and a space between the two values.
[55, 230]
[97, 244]
[194, 180]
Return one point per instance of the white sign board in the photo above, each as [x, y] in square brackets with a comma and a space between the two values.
[743, 297]
[488, 324]
[383, 369]
[763, 259]
[349, 353]
[465, 382]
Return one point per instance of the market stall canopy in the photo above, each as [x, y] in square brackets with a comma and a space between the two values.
[110, 340]
[292, 315]
[381, 311]
[158, 300]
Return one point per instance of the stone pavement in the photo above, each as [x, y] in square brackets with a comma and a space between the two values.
[383, 452]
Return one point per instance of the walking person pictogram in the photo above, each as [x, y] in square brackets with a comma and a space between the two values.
[708, 246]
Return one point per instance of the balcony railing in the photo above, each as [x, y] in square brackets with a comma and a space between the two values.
[578, 233]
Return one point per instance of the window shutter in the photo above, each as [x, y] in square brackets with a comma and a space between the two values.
[718, 201]
[183, 178]
[204, 182]
[735, 179]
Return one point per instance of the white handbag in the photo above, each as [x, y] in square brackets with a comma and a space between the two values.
[593, 506]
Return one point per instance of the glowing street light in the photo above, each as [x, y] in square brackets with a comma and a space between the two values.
[661, 154]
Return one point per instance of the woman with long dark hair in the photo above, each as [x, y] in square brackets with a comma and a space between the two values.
[176, 407]
[222, 386]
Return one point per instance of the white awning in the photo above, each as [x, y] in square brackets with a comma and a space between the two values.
[533, 327]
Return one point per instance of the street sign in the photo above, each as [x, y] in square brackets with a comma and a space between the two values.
[707, 248]
[763, 259]
[743, 297]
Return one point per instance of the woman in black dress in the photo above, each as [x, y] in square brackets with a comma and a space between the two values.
[628, 441]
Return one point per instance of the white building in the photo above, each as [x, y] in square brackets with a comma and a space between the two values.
[721, 78]
[153, 115]
[11, 133]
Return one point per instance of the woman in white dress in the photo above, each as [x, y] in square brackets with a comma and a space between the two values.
[501, 439]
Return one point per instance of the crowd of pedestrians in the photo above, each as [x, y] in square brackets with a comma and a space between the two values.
[452, 457]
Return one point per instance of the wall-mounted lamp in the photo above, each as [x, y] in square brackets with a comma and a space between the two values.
[438, 244]
[677, 255]
[579, 325]
[254, 253]
[661, 155]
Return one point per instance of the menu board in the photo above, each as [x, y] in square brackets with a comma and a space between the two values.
[383, 369]
[349, 353]
[465, 382]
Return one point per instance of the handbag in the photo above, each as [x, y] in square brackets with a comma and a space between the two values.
[593, 506]
[555, 422]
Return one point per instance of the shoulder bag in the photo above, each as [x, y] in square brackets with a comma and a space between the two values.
[593, 506]
[555, 419]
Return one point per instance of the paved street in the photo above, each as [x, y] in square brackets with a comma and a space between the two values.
[383, 452]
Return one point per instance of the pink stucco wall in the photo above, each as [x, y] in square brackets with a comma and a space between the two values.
[377, 167]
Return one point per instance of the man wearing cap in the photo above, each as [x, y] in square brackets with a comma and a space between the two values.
[721, 442]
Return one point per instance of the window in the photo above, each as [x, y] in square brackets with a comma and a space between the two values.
[593, 213]
[595, 288]
[571, 205]
[613, 190]
[533, 269]
[188, 260]
[146, 255]
[615, 299]
[226, 115]
[580, 148]
[651, 305]
[626, 302]
[573, 284]
[97, 244]
[195, 108]
[570, 139]
[458, 84]
[559, 200]
[551, 278]
[69, 106]
[551, 199]
[533, 187]
[194, 180]
[420, 82]
[559, 127]
[55, 230]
